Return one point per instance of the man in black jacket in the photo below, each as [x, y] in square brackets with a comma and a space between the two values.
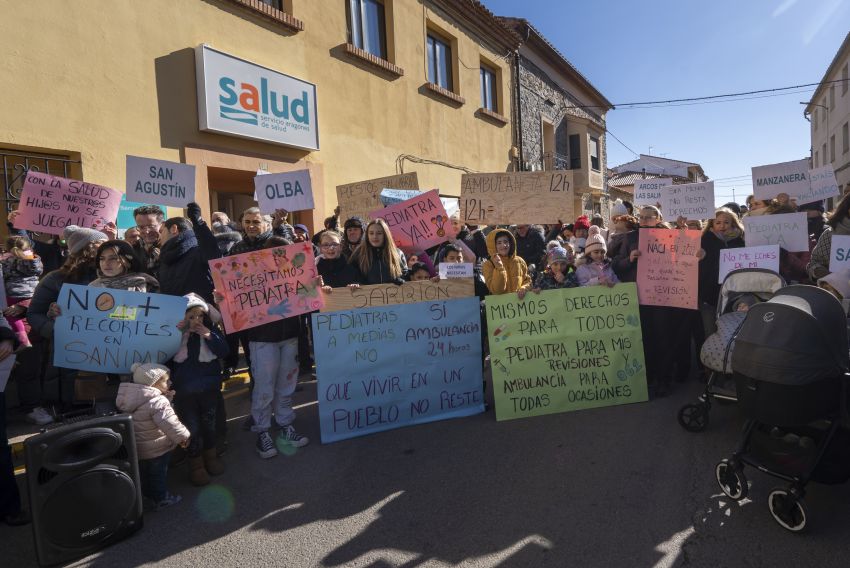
[530, 245]
[186, 248]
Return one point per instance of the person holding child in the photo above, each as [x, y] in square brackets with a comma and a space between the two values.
[156, 428]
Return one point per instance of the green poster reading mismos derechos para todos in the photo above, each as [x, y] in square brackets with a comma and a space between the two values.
[563, 350]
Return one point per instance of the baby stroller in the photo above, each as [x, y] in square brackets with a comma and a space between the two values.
[746, 285]
[791, 367]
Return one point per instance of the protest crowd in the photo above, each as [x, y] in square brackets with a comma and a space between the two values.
[177, 404]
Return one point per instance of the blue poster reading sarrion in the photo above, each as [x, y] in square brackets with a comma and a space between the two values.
[105, 330]
[393, 366]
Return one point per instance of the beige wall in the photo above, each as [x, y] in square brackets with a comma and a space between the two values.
[106, 78]
[826, 124]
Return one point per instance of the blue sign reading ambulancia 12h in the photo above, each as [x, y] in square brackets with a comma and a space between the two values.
[243, 99]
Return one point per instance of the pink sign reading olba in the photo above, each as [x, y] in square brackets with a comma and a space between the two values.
[51, 203]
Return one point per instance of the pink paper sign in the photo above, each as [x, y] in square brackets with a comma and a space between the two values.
[266, 285]
[417, 223]
[667, 268]
[51, 203]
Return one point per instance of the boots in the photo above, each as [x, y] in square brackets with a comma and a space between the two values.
[197, 473]
[213, 465]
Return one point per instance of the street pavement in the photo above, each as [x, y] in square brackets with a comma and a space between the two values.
[618, 486]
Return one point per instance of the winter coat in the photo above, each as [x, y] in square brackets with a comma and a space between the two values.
[336, 272]
[45, 294]
[21, 275]
[546, 280]
[194, 376]
[148, 255]
[709, 266]
[226, 241]
[513, 274]
[156, 426]
[183, 266]
[818, 265]
[379, 272]
[532, 246]
[134, 282]
[51, 253]
[589, 273]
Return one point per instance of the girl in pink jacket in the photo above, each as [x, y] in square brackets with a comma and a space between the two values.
[157, 429]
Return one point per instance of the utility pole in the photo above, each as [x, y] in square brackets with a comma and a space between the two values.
[733, 196]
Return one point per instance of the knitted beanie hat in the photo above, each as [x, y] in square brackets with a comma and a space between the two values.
[558, 254]
[594, 241]
[195, 301]
[148, 374]
[618, 209]
[79, 238]
[582, 223]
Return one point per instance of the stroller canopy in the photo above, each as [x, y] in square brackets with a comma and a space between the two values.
[797, 337]
[760, 282]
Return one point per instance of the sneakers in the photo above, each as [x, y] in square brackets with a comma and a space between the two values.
[265, 446]
[40, 416]
[167, 501]
[290, 437]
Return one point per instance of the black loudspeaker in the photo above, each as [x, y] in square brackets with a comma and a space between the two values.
[84, 487]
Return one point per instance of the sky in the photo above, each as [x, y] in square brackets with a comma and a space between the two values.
[650, 50]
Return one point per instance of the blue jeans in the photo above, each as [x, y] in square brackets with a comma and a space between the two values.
[153, 474]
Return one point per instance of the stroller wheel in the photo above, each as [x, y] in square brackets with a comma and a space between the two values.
[693, 417]
[731, 479]
[787, 510]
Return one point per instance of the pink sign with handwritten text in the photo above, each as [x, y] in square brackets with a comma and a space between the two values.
[267, 285]
[417, 223]
[667, 268]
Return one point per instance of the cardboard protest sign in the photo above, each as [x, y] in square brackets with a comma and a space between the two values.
[418, 223]
[788, 177]
[392, 196]
[266, 285]
[360, 198]
[384, 368]
[455, 270]
[766, 256]
[788, 230]
[517, 197]
[105, 331]
[689, 200]
[51, 203]
[292, 191]
[160, 182]
[566, 349]
[649, 191]
[667, 269]
[839, 253]
[822, 185]
[375, 295]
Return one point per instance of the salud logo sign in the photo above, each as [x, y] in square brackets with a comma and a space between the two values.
[242, 99]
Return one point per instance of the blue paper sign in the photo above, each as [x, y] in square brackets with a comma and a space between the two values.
[125, 213]
[105, 330]
[393, 366]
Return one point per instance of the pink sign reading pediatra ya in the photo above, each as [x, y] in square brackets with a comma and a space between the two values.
[667, 268]
[266, 285]
[51, 203]
[417, 223]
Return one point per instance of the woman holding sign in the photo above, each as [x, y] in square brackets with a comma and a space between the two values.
[723, 232]
[376, 259]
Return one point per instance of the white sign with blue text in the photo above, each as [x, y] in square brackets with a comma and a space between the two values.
[240, 98]
[291, 191]
[160, 182]
[839, 253]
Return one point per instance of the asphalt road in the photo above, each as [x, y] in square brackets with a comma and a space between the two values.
[620, 486]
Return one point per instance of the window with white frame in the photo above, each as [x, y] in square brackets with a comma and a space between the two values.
[594, 153]
[488, 89]
[367, 26]
[439, 62]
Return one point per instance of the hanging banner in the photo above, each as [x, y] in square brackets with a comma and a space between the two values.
[358, 199]
[567, 349]
[290, 191]
[418, 223]
[105, 331]
[649, 191]
[693, 201]
[788, 230]
[160, 182]
[266, 285]
[766, 256]
[667, 269]
[51, 203]
[517, 197]
[375, 295]
[787, 177]
[384, 368]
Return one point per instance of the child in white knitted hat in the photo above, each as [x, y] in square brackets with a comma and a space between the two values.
[595, 267]
[156, 427]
